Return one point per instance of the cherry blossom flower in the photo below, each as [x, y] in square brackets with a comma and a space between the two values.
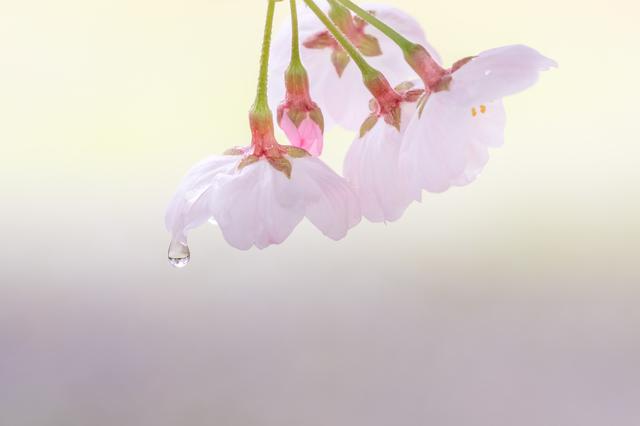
[298, 116]
[335, 81]
[462, 116]
[255, 204]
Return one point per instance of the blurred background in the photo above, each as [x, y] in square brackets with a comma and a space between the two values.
[513, 301]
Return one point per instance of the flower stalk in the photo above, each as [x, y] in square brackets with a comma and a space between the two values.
[295, 38]
[261, 104]
[296, 78]
[263, 140]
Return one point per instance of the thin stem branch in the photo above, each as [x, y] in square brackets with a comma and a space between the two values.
[261, 101]
[295, 38]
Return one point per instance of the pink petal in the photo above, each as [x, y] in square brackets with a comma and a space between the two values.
[307, 136]
[290, 129]
[254, 207]
[311, 137]
[331, 205]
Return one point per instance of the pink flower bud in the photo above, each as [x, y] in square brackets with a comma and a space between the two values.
[298, 116]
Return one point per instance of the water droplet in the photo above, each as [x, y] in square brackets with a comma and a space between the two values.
[179, 255]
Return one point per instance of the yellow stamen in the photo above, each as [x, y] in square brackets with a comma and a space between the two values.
[474, 111]
[483, 108]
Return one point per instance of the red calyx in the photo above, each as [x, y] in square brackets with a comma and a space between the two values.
[431, 73]
[387, 99]
[263, 140]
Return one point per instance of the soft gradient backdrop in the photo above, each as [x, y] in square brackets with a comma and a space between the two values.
[513, 301]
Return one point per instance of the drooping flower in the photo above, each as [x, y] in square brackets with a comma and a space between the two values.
[462, 116]
[371, 164]
[335, 81]
[258, 195]
[298, 116]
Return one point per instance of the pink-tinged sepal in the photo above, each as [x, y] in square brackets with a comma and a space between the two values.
[321, 40]
[340, 59]
[369, 45]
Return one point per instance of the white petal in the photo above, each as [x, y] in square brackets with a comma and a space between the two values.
[257, 207]
[371, 166]
[497, 73]
[433, 146]
[447, 145]
[344, 98]
[488, 127]
[477, 156]
[189, 207]
[330, 203]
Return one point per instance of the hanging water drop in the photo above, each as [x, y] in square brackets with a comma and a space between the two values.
[179, 255]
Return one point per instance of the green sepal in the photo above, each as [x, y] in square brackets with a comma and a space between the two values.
[404, 86]
[368, 124]
[320, 41]
[394, 117]
[295, 152]
[460, 63]
[281, 164]
[317, 117]
[413, 95]
[248, 160]
[233, 151]
[422, 103]
[368, 45]
[296, 116]
[340, 60]
[340, 16]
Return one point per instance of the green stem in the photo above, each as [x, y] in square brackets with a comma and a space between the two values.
[295, 38]
[261, 102]
[357, 58]
[396, 37]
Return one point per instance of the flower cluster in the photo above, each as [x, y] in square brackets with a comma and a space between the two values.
[420, 127]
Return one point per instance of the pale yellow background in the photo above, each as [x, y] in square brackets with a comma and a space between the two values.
[513, 301]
